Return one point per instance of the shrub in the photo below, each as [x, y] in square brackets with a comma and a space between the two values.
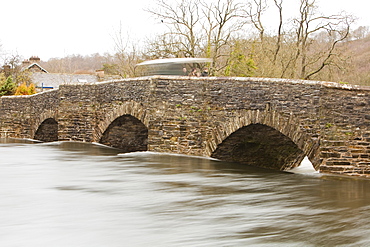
[23, 89]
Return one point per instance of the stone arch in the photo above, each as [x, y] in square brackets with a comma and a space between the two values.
[277, 126]
[126, 133]
[46, 127]
[124, 127]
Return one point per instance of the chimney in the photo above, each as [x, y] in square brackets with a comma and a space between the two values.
[34, 59]
[7, 69]
[100, 73]
[26, 63]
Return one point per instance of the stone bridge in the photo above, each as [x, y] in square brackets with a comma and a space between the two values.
[272, 123]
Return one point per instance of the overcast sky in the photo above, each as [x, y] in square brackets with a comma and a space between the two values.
[48, 29]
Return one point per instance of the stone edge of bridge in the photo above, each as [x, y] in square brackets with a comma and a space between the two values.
[327, 84]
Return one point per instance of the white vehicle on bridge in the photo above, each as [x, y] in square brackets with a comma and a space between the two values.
[174, 66]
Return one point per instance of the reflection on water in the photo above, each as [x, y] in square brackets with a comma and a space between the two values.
[79, 194]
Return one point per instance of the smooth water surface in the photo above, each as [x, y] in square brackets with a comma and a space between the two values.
[75, 194]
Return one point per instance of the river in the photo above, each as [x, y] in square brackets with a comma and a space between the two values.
[80, 194]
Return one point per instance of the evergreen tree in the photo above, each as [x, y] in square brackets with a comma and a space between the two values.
[239, 63]
[7, 86]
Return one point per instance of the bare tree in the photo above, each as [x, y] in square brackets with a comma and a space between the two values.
[309, 23]
[337, 34]
[127, 54]
[197, 28]
[270, 45]
[13, 61]
[279, 5]
[221, 23]
[291, 50]
[253, 13]
[361, 32]
[182, 20]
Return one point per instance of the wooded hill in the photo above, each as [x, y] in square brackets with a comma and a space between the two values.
[359, 53]
[356, 51]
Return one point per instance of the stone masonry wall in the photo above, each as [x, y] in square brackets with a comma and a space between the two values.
[330, 122]
[345, 124]
[20, 116]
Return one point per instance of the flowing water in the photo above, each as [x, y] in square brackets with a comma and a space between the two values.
[78, 194]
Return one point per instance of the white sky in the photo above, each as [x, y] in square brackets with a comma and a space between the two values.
[48, 29]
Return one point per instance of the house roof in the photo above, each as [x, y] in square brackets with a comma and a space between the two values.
[55, 79]
[36, 65]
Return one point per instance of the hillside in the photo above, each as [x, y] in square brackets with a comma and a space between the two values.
[355, 68]
[359, 53]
